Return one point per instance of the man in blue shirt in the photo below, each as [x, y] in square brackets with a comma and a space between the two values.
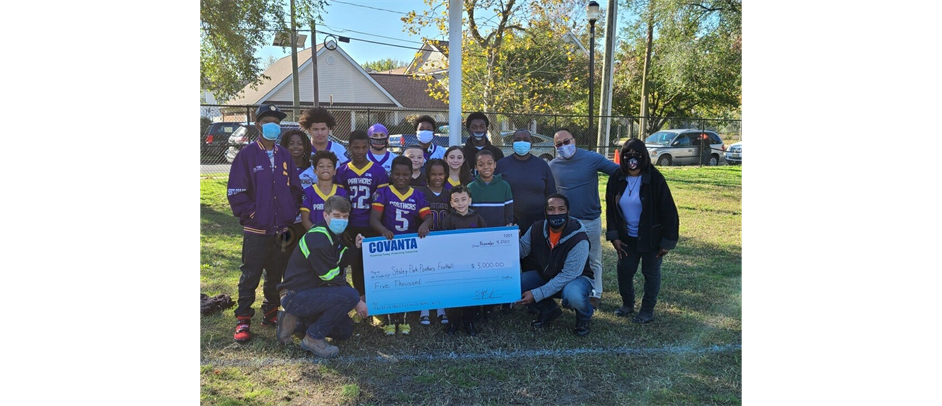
[576, 173]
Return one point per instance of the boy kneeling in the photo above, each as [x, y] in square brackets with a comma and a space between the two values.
[315, 293]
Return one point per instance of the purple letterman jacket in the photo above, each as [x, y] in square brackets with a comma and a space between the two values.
[265, 201]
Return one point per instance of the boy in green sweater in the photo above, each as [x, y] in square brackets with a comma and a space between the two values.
[492, 200]
[492, 197]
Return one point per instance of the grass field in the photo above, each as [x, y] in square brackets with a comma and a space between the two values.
[691, 353]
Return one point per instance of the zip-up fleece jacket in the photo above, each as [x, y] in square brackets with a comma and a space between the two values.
[659, 225]
[494, 201]
[265, 201]
[560, 265]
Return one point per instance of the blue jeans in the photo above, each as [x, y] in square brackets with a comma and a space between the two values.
[593, 228]
[323, 310]
[261, 253]
[575, 294]
[650, 269]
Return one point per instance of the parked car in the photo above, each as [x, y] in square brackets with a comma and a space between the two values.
[214, 141]
[734, 154]
[247, 133]
[682, 146]
[541, 145]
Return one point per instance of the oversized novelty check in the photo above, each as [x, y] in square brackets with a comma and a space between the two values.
[443, 270]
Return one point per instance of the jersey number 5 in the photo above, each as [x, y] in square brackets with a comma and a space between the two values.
[402, 224]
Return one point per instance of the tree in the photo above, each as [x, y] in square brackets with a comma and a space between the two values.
[693, 55]
[231, 32]
[383, 65]
[514, 57]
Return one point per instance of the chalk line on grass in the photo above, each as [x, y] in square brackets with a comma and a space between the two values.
[497, 355]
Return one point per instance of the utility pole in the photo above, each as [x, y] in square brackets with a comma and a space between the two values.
[455, 9]
[642, 133]
[592, 14]
[608, 68]
[294, 65]
[315, 96]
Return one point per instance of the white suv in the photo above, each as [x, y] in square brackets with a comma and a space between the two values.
[682, 146]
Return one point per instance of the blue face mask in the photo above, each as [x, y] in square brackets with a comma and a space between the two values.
[521, 147]
[337, 226]
[271, 131]
[478, 135]
[556, 220]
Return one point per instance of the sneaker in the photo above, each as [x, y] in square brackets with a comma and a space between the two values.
[242, 333]
[405, 329]
[643, 317]
[389, 329]
[582, 328]
[471, 329]
[287, 323]
[442, 319]
[545, 318]
[624, 311]
[319, 347]
[378, 321]
[424, 320]
[270, 318]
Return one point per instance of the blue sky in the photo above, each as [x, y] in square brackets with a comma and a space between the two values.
[370, 17]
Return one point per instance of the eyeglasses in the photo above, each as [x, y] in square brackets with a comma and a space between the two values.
[632, 154]
[566, 141]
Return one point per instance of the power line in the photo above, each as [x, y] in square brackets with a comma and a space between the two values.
[358, 39]
[374, 35]
[374, 42]
[374, 8]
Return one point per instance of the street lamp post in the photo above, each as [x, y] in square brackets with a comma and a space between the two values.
[592, 13]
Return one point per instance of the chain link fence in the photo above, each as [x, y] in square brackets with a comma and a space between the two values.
[224, 129]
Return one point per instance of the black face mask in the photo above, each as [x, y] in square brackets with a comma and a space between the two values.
[556, 220]
[379, 143]
[630, 161]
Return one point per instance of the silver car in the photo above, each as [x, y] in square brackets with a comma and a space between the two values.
[682, 146]
[734, 154]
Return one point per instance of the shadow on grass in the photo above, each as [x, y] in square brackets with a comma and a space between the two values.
[214, 222]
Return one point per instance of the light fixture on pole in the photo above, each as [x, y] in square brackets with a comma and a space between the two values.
[592, 13]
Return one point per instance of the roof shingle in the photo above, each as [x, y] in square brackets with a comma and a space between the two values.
[409, 91]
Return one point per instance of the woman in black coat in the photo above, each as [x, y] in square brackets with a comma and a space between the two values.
[642, 224]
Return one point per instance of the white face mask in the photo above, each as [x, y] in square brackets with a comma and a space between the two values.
[566, 151]
[425, 136]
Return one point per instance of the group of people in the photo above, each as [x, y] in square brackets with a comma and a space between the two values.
[306, 204]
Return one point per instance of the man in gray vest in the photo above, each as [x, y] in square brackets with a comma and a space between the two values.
[559, 250]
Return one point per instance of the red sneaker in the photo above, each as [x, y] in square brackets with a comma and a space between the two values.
[242, 333]
[270, 318]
